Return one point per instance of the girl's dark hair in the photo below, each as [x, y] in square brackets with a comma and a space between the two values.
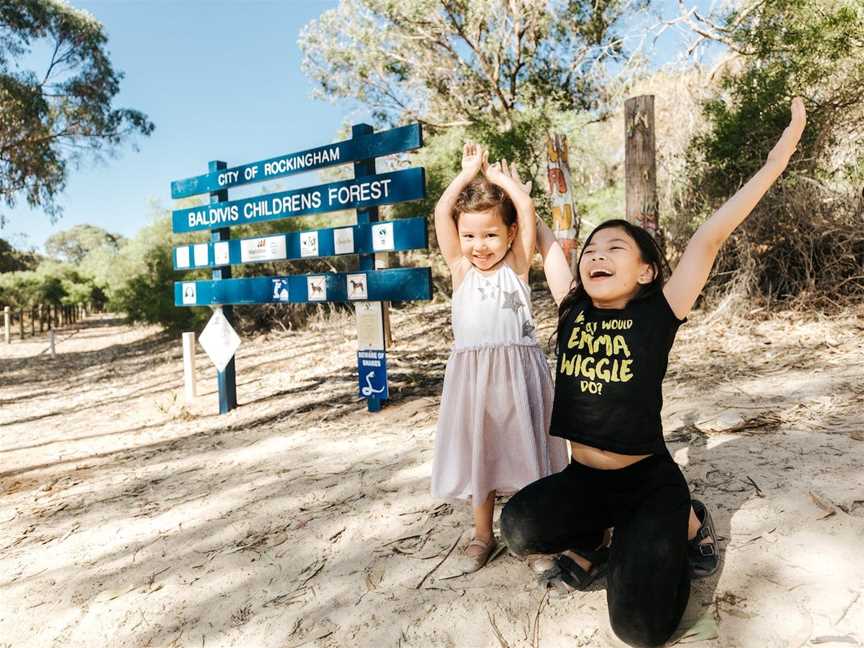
[481, 195]
[649, 251]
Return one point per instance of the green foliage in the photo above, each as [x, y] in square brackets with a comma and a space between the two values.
[74, 244]
[462, 63]
[12, 260]
[812, 48]
[803, 238]
[141, 278]
[55, 116]
[148, 295]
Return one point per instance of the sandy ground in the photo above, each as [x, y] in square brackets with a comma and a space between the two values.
[128, 518]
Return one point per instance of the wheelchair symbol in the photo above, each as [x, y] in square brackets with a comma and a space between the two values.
[369, 389]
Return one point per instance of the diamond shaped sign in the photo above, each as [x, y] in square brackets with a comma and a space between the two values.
[219, 340]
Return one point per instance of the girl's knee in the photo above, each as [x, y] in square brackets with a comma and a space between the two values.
[636, 630]
[516, 529]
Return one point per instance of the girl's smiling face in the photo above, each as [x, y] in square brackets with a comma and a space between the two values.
[611, 268]
[484, 237]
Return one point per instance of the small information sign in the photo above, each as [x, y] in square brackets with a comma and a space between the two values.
[268, 248]
[343, 240]
[382, 237]
[221, 253]
[309, 244]
[219, 340]
[357, 286]
[370, 325]
[372, 370]
[183, 257]
[190, 293]
[200, 254]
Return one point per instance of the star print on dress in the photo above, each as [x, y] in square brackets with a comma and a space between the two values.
[527, 328]
[512, 301]
[488, 291]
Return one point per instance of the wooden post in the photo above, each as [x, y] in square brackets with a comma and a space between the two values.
[51, 343]
[33, 322]
[363, 168]
[189, 378]
[6, 324]
[640, 165]
[566, 220]
[226, 380]
[21, 323]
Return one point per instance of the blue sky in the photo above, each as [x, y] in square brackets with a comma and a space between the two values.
[220, 79]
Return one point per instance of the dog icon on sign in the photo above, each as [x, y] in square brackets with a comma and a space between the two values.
[357, 287]
[316, 288]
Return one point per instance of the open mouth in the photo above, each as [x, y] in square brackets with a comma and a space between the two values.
[600, 273]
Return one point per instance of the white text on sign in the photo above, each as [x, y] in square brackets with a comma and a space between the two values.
[281, 165]
[335, 197]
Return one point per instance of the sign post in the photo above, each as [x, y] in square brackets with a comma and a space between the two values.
[371, 288]
[226, 377]
[362, 169]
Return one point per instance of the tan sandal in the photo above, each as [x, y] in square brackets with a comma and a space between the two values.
[468, 564]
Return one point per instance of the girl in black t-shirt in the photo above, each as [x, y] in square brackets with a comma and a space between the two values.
[617, 323]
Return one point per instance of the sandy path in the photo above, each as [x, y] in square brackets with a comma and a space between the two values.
[130, 519]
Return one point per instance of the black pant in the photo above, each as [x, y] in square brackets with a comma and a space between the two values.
[648, 504]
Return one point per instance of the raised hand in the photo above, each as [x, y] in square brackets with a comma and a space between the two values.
[495, 172]
[514, 173]
[474, 157]
[785, 146]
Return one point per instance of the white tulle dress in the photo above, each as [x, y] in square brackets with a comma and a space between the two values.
[497, 402]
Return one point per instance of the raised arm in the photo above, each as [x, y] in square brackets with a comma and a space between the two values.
[523, 246]
[692, 271]
[555, 264]
[446, 232]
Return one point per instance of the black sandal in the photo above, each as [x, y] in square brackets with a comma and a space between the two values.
[704, 557]
[574, 576]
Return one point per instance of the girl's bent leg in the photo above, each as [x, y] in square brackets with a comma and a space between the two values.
[648, 583]
[558, 512]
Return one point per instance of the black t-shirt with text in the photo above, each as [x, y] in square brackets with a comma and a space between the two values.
[609, 375]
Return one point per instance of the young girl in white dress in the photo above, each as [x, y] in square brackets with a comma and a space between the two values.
[496, 405]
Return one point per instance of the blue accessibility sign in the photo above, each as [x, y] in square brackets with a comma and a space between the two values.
[372, 369]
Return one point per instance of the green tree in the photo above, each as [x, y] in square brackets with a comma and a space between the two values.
[500, 72]
[12, 260]
[811, 48]
[804, 237]
[74, 244]
[461, 62]
[61, 114]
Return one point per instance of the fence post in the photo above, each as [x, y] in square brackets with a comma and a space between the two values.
[640, 165]
[21, 322]
[6, 323]
[189, 377]
[33, 321]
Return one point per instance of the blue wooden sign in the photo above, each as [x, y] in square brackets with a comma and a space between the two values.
[366, 285]
[392, 284]
[397, 140]
[369, 191]
[369, 238]
[372, 372]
